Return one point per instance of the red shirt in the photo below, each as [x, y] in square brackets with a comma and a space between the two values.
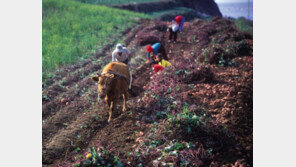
[157, 68]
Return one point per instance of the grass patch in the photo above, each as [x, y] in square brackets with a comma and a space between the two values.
[72, 30]
[168, 15]
[116, 2]
[175, 11]
[244, 25]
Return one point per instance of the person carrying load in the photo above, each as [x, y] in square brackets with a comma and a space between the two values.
[122, 54]
[155, 49]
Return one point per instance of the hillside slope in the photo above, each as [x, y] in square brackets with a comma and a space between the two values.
[72, 31]
[208, 7]
[198, 112]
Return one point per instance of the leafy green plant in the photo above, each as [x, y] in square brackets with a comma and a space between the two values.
[101, 157]
[185, 119]
[174, 146]
[77, 149]
[222, 61]
[154, 143]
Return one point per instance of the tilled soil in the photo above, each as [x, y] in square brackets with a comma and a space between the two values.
[74, 118]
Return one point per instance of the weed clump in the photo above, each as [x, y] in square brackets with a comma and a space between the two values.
[222, 54]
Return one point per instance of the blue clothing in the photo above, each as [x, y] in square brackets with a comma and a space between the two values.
[181, 24]
[156, 48]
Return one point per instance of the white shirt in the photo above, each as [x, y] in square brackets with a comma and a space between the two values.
[123, 57]
[175, 27]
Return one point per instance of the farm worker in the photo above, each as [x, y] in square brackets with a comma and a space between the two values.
[162, 62]
[122, 54]
[156, 67]
[180, 21]
[173, 29]
[155, 49]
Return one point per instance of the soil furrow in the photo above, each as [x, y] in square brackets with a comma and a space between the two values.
[62, 139]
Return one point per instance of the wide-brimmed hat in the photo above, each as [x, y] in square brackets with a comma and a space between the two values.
[119, 47]
[149, 49]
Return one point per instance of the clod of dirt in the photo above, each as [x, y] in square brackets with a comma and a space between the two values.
[202, 38]
[203, 74]
[244, 48]
[145, 38]
[160, 27]
[247, 35]
[63, 100]
[135, 90]
[215, 56]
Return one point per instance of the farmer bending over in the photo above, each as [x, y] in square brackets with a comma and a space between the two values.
[122, 54]
[155, 49]
[155, 67]
[173, 29]
[176, 25]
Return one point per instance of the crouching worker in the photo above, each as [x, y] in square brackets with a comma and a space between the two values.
[122, 54]
[155, 49]
[164, 63]
[156, 67]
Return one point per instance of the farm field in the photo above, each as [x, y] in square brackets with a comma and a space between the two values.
[196, 113]
[175, 11]
[116, 2]
[167, 15]
[72, 31]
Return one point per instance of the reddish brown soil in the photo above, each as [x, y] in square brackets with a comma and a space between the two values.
[72, 116]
